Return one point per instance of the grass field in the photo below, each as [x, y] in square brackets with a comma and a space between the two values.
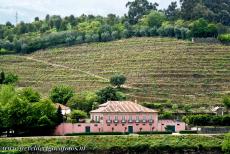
[157, 69]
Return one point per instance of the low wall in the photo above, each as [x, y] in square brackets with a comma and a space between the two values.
[210, 40]
[68, 128]
[214, 130]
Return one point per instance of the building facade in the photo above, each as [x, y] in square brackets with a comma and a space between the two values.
[120, 116]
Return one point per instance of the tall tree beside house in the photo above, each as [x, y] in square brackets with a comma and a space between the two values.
[76, 115]
[83, 101]
[31, 95]
[59, 115]
[61, 94]
[118, 80]
[110, 94]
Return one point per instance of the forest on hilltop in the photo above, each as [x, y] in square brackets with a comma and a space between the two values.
[193, 18]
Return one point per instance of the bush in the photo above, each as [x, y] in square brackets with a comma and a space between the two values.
[105, 37]
[155, 132]
[10, 79]
[97, 133]
[152, 105]
[225, 38]
[153, 31]
[226, 144]
[226, 102]
[115, 35]
[166, 115]
[117, 80]
[188, 132]
[88, 38]
[207, 120]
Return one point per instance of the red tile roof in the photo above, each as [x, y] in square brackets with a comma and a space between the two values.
[122, 107]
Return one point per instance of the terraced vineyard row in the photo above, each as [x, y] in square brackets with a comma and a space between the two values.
[158, 69]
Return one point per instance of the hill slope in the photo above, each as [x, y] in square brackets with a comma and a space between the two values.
[158, 69]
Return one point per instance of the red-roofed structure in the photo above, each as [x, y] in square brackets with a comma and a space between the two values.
[120, 116]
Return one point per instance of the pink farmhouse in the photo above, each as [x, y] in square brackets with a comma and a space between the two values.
[121, 116]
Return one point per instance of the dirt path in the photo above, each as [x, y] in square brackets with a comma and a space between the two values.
[73, 69]
[66, 67]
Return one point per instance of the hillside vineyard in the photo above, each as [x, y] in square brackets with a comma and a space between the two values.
[157, 69]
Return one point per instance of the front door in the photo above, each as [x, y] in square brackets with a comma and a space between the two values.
[87, 129]
[130, 129]
[170, 128]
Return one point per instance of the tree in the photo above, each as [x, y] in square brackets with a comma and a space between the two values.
[154, 19]
[187, 7]
[17, 112]
[83, 101]
[118, 80]
[109, 94]
[30, 95]
[7, 94]
[45, 122]
[59, 115]
[172, 12]
[139, 8]
[36, 19]
[226, 102]
[199, 28]
[2, 77]
[10, 78]
[61, 94]
[76, 115]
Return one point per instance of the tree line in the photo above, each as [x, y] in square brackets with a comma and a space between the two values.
[195, 18]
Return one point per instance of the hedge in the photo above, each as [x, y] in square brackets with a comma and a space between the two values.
[224, 38]
[188, 132]
[166, 132]
[98, 133]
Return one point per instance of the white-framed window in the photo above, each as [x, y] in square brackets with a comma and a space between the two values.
[123, 117]
[130, 118]
[151, 117]
[96, 118]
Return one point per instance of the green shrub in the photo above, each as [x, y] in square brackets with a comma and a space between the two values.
[97, 133]
[152, 105]
[155, 132]
[224, 38]
[10, 78]
[226, 144]
[207, 120]
[188, 132]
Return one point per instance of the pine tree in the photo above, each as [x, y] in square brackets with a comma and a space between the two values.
[59, 115]
[2, 77]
